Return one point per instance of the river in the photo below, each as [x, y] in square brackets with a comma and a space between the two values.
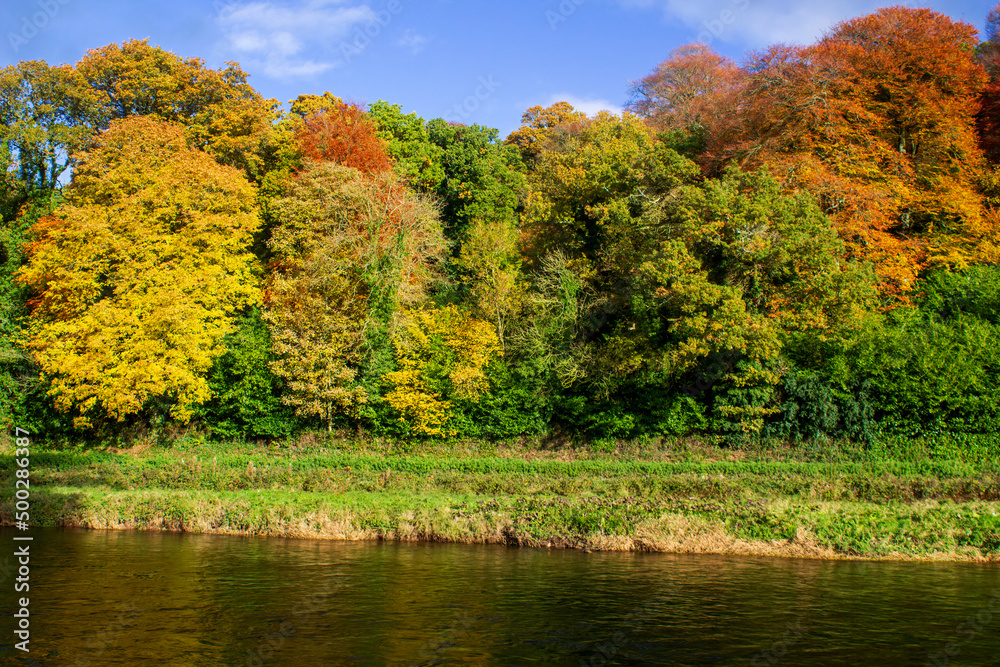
[119, 598]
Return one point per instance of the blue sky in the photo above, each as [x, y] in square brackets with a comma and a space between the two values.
[470, 61]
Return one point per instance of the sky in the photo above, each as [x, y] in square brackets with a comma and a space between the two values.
[470, 61]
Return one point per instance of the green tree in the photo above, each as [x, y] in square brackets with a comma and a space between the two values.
[482, 177]
[46, 115]
[246, 394]
[418, 160]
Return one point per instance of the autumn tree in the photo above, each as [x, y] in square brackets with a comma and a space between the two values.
[646, 271]
[538, 124]
[343, 134]
[223, 115]
[876, 119]
[988, 118]
[442, 356]
[989, 49]
[586, 177]
[584, 195]
[350, 250]
[490, 264]
[692, 91]
[136, 278]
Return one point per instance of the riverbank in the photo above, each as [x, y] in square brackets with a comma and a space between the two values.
[914, 500]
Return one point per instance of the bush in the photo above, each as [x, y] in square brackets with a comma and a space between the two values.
[928, 374]
[246, 395]
[814, 409]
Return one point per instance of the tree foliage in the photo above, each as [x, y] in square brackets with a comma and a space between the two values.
[136, 278]
[343, 134]
[349, 251]
[223, 115]
[538, 124]
[46, 115]
[877, 120]
[691, 91]
[442, 356]
[801, 245]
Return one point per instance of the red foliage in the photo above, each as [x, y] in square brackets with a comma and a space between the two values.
[345, 135]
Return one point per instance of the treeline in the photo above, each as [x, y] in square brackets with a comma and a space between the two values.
[800, 246]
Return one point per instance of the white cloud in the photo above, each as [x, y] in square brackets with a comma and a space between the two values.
[588, 105]
[271, 36]
[412, 40]
[755, 23]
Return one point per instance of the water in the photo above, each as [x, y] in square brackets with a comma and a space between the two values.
[114, 598]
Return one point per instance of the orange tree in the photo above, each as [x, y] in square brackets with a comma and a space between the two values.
[877, 120]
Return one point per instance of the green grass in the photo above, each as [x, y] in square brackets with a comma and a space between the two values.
[913, 498]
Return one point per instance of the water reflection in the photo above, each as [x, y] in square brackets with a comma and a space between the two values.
[110, 598]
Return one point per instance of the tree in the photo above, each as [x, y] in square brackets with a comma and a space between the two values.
[221, 112]
[350, 250]
[491, 267]
[46, 115]
[876, 119]
[343, 134]
[482, 177]
[691, 91]
[246, 394]
[136, 278]
[538, 124]
[442, 356]
[988, 118]
[417, 159]
[585, 177]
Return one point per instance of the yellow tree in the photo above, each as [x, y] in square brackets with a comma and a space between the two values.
[221, 112]
[349, 251]
[490, 261]
[442, 356]
[539, 123]
[136, 278]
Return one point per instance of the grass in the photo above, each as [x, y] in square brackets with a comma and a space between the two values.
[910, 499]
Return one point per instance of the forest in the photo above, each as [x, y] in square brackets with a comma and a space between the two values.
[799, 247]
